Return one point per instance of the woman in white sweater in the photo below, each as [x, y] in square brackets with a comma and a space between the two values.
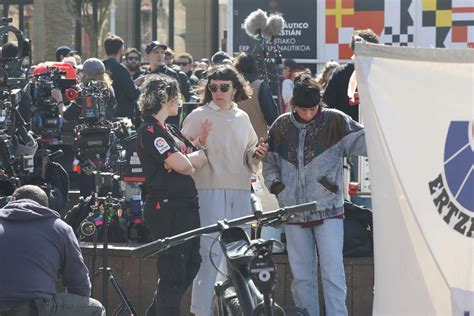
[233, 153]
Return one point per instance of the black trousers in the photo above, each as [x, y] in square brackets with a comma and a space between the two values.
[177, 266]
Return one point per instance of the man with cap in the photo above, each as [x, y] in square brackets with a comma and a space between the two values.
[155, 53]
[126, 92]
[219, 58]
[63, 51]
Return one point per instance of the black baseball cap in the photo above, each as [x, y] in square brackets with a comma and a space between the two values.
[151, 46]
[63, 50]
[219, 57]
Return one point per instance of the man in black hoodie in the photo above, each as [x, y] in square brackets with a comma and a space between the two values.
[335, 95]
[126, 92]
[37, 248]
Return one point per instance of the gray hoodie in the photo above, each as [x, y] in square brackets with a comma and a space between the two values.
[36, 248]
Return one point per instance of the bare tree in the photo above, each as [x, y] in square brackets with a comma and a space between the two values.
[95, 27]
[51, 29]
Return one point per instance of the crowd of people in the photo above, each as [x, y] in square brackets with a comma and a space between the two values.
[198, 167]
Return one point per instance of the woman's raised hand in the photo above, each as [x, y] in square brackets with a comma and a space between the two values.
[206, 128]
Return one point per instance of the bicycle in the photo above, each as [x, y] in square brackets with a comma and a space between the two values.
[251, 269]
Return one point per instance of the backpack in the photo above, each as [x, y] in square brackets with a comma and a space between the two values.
[358, 231]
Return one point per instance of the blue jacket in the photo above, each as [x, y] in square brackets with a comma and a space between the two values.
[308, 159]
[37, 247]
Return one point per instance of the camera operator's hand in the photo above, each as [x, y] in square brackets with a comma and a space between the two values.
[57, 95]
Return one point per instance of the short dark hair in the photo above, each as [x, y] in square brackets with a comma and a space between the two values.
[112, 44]
[367, 35]
[31, 192]
[226, 72]
[306, 92]
[156, 90]
[246, 64]
[132, 50]
[186, 55]
[290, 63]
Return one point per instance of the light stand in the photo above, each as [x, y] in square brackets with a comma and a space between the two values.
[110, 204]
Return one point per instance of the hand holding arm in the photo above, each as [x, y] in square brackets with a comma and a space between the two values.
[180, 163]
[197, 158]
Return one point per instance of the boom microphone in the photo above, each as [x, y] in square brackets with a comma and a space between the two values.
[255, 22]
[275, 24]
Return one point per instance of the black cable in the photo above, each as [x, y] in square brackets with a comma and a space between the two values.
[216, 239]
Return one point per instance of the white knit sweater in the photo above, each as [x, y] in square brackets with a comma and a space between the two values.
[230, 147]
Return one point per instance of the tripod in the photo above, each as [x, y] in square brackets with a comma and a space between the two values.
[107, 205]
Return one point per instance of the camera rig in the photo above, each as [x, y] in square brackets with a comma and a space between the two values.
[13, 55]
[47, 121]
[17, 146]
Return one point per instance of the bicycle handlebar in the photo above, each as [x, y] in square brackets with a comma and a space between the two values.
[160, 245]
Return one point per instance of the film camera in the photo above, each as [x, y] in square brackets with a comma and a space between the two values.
[47, 121]
[17, 146]
[98, 138]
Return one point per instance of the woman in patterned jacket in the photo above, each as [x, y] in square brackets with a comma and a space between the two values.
[304, 163]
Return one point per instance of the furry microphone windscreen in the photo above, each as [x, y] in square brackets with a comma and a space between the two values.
[275, 25]
[255, 22]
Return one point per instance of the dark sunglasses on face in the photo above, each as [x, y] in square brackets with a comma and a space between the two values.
[181, 63]
[133, 58]
[224, 87]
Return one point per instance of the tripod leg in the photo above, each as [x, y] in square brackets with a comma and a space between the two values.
[123, 298]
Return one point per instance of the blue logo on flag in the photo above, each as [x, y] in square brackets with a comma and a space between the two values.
[459, 162]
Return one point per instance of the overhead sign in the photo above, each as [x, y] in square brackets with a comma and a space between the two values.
[299, 36]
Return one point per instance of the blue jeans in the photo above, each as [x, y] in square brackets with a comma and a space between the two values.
[307, 246]
[67, 304]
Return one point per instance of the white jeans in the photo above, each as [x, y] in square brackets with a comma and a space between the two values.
[214, 205]
[307, 246]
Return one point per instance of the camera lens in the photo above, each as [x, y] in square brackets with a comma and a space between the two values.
[87, 228]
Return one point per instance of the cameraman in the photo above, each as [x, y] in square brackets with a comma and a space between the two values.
[93, 73]
[37, 246]
[93, 70]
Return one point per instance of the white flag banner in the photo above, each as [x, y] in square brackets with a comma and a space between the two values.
[417, 106]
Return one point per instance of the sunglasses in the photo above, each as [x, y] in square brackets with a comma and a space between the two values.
[133, 58]
[181, 63]
[222, 87]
